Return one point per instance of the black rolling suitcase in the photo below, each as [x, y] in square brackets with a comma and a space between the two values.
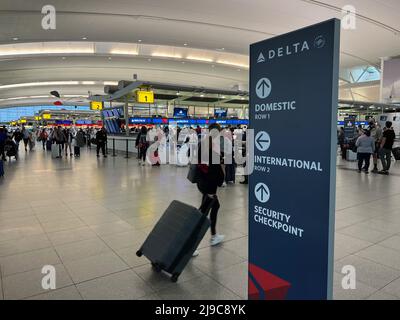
[77, 151]
[48, 145]
[1, 168]
[174, 238]
[396, 153]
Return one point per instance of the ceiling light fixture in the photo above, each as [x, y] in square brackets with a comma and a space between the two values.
[199, 59]
[37, 84]
[139, 40]
[84, 38]
[124, 52]
[245, 66]
[166, 55]
[15, 39]
[185, 44]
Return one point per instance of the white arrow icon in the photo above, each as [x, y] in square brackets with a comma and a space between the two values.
[261, 58]
[261, 192]
[262, 141]
[263, 88]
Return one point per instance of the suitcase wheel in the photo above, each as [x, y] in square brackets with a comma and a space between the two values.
[156, 267]
[175, 277]
[139, 253]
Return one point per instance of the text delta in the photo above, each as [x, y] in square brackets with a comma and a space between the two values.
[288, 50]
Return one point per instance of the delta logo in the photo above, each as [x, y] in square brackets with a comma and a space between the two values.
[291, 49]
[263, 285]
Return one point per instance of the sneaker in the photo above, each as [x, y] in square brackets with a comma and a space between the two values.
[216, 239]
[244, 182]
[375, 170]
[105, 156]
[366, 172]
[196, 253]
[97, 155]
[359, 171]
[223, 185]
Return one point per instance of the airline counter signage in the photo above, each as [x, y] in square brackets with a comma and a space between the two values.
[144, 96]
[96, 105]
[293, 78]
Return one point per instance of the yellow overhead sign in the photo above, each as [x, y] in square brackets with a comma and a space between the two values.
[144, 96]
[22, 121]
[46, 116]
[13, 123]
[96, 105]
[38, 118]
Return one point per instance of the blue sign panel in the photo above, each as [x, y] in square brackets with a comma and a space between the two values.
[293, 78]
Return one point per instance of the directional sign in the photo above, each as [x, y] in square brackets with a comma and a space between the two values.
[262, 141]
[262, 192]
[263, 88]
[292, 186]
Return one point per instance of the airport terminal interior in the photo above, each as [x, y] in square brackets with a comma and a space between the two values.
[83, 84]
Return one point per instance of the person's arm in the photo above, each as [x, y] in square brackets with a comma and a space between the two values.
[383, 141]
[358, 142]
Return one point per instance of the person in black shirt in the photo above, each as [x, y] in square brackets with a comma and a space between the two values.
[386, 147]
[101, 140]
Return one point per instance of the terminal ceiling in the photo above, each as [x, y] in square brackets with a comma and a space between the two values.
[198, 43]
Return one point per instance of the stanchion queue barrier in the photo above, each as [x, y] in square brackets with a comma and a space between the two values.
[113, 154]
[127, 150]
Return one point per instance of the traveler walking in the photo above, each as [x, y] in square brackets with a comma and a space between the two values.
[210, 177]
[3, 138]
[386, 147]
[79, 142]
[25, 137]
[43, 137]
[101, 140]
[17, 136]
[68, 137]
[376, 134]
[142, 145]
[365, 147]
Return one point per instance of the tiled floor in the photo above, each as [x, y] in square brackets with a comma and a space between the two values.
[88, 216]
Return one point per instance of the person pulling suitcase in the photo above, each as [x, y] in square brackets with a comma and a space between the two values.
[210, 177]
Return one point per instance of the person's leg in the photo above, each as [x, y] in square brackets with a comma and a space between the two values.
[388, 156]
[97, 149]
[375, 158]
[103, 149]
[360, 161]
[213, 216]
[382, 157]
[367, 162]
